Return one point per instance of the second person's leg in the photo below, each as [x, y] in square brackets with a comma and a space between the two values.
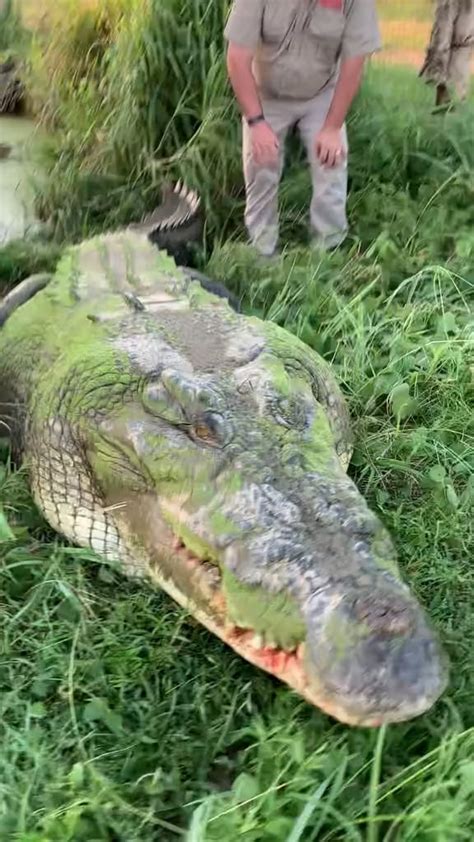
[328, 206]
[262, 183]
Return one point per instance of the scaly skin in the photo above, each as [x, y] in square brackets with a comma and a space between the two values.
[207, 451]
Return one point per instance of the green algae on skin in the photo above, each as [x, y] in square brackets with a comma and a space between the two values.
[343, 635]
[222, 525]
[273, 616]
[280, 378]
[278, 342]
[108, 373]
[204, 550]
[196, 545]
[61, 288]
[319, 452]
[382, 552]
[200, 297]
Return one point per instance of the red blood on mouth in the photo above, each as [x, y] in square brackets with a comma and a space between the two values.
[275, 660]
[270, 658]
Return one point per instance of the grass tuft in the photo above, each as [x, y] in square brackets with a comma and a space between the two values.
[20, 258]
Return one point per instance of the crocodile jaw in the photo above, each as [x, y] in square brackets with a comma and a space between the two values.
[287, 667]
[197, 587]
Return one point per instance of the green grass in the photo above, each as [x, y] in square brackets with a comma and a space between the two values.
[11, 29]
[15, 39]
[120, 130]
[416, 10]
[121, 718]
[21, 258]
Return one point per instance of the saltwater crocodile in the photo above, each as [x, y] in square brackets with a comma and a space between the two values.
[207, 451]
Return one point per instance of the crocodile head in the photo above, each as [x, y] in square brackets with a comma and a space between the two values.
[245, 514]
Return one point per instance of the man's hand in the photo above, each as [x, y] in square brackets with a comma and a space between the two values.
[264, 144]
[263, 140]
[330, 147]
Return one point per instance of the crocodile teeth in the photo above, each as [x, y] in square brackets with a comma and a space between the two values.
[177, 544]
[257, 641]
[188, 195]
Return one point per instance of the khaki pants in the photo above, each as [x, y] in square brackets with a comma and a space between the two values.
[328, 206]
[448, 58]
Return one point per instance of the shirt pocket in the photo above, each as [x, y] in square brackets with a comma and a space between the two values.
[278, 20]
[326, 28]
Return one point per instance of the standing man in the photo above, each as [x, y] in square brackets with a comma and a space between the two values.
[297, 63]
[449, 53]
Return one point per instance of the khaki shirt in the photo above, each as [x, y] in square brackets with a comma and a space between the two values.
[299, 43]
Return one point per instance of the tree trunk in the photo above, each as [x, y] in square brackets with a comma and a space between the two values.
[448, 56]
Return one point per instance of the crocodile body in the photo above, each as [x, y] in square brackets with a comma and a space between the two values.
[207, 451]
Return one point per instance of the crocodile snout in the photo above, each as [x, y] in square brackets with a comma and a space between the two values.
[375, 655]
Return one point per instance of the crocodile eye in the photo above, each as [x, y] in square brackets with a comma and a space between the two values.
[203, 432]
[211, 429]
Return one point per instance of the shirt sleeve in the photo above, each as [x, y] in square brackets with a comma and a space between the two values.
[244, 24]
[362, 33]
